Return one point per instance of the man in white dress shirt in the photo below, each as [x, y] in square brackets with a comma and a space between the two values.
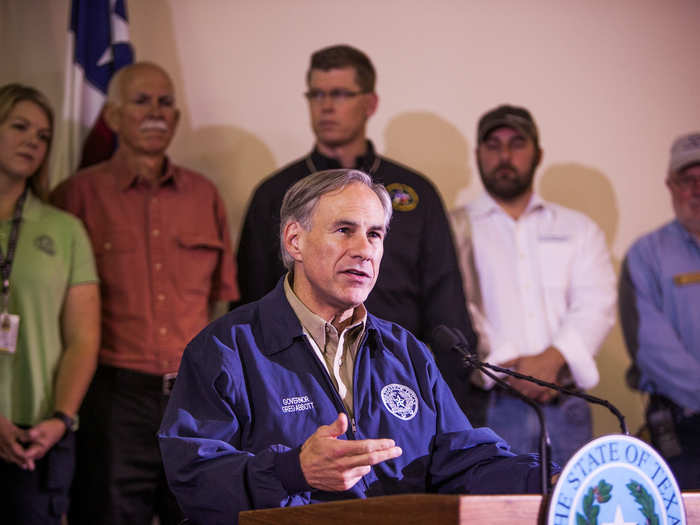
[540, 287]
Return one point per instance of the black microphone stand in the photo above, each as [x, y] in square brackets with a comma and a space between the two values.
[592, 399]
[453, 339]
[545, 443]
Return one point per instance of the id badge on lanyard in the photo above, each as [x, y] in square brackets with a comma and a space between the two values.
[9, 323]
[9, 330]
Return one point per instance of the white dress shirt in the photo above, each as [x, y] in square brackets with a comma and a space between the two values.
[544, 280]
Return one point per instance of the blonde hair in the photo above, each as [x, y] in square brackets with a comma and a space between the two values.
[10, 96]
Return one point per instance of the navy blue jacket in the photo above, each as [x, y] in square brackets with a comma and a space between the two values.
[251, 390]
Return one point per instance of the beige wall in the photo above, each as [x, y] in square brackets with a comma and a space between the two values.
[610, 84]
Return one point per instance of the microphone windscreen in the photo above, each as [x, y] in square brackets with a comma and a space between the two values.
[444, 338]
[463, 340]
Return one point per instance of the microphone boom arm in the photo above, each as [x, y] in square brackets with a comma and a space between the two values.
[592, 399]
[545, 443]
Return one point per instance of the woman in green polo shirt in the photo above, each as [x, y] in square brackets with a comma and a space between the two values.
[49, 318]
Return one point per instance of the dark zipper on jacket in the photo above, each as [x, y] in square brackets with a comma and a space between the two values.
[339, 402]
[329, 382]
[353, 423]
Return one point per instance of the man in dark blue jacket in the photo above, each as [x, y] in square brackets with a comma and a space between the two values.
[303, 396]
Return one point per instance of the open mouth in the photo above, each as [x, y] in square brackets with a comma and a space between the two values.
[356, 273]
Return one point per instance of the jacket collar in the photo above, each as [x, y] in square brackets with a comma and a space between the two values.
[282, 327]
[367, 162]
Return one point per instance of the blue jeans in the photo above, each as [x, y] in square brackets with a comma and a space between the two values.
[568, 421]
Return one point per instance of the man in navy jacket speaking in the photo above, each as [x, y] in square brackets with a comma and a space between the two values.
[304, 397]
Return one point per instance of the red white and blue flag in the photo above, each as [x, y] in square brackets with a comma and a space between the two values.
[98, 46]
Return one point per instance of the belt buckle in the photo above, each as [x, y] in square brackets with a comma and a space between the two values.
[169, 383]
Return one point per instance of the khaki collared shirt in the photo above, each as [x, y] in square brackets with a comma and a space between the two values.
[326, 341]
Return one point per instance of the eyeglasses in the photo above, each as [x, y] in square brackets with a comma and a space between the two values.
[336, 95]
[685, 182]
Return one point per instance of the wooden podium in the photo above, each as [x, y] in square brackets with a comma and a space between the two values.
[423, 509]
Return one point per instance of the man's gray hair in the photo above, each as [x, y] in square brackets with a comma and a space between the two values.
[301, 199]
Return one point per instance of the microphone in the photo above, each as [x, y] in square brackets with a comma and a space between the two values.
[470, 357]
[453, 339]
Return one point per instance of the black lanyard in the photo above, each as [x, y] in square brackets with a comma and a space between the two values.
[6, 261]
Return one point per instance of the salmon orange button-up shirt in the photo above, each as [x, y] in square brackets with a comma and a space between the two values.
[163, 254]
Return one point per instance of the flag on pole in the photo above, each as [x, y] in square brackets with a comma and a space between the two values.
[98, 46]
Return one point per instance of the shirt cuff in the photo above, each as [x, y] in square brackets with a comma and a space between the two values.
[288, 469]
[579, 359]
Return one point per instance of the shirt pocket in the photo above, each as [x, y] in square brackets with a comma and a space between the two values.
[198, 257]
[115, 254]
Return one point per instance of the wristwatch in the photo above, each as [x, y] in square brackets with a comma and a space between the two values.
[66, 420]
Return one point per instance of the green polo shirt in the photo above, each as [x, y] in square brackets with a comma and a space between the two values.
[53, 253]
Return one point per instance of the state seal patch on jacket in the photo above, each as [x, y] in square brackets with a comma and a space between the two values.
[403, 197]
[400, 401]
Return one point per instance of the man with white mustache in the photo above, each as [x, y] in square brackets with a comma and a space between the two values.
[165, 262]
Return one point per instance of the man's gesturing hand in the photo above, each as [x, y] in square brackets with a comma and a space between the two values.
[333, 464]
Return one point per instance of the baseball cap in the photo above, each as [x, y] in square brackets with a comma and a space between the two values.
[510, 116]
[684, 151]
